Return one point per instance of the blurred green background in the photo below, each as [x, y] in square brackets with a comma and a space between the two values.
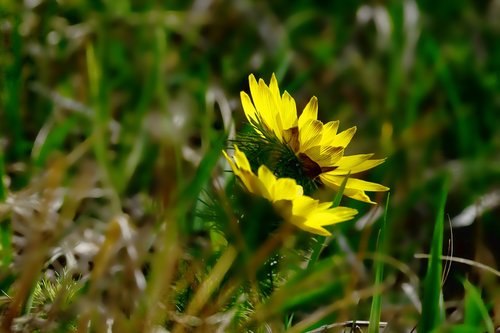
[157, 84]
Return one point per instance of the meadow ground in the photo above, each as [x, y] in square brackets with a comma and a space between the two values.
[118, 211]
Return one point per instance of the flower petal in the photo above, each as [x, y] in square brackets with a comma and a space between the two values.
[325, 156]
[241, 169]
[286, 189]
[288, 112]
[264, 104]
[339, 214]
[355, 164]
[303, 205]
[275, 90]
[310, 134]
[318, 215]
[268, 181]
[315, 230]
[230, 161]
[310, 112]
[241, 159]
[343, 138]
[358, 195]
[287, 197]
[248, 108]
[348, 162]
[329, 133]
[354, 188]
[352, 183]
[326, 218]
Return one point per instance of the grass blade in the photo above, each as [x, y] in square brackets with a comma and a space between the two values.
[10, 96]
[376, 306]
[192, 190]
[476, 312]
[5, 225]
[3, 189]
[54, 140]
[431, 300]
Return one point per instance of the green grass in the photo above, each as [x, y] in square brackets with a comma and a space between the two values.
[116, 203]
[376, 307]
[432, 298]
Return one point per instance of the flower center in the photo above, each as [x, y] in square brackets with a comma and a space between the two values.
[311, 168]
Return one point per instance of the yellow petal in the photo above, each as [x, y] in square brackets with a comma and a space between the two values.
[363, 185]
[352, 183]
[330, 128]
[323, 206]
[346, 166]
[310, 134]
[325, 156]
[303, 205]
[253, 183]
[310, 226]
[229, 160]
[259, 97]
[267, 108]
[339, 214]
[315, 230]
[241, 159]
[268, 180]
[248, 108]
[329, 133]
[288, 112]
[317, 221]
[254, 87]
[354, 187]
[310, 112]
[241, 169]
[335, 182]
[348, 162]
[358, 195]
[320, 217]
[286, 189]
[233, 166]
[330, 216]
[275, 90]
[343, 138]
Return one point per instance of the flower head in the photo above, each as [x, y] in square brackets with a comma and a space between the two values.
[318, 147]
[287, 197]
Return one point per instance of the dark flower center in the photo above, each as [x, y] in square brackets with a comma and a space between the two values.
[311, 168]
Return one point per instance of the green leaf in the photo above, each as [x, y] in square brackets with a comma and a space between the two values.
[54, 140]
[3, 189]
[192, 190]
[324, 282]
[5, 225]
[5, 243]
[376, 306]
[431, 299]
[476, 312]
[464, 329]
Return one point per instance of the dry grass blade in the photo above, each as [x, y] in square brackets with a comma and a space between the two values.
[464, 261]
[211, 282]
[337, 305]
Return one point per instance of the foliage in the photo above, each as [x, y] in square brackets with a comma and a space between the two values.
[117, 210]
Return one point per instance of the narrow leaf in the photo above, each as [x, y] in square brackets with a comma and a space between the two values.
[376, 307]
[431, 300]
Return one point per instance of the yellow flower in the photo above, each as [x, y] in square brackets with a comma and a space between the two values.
[354, 188]
[288, 198]
[319, 147]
